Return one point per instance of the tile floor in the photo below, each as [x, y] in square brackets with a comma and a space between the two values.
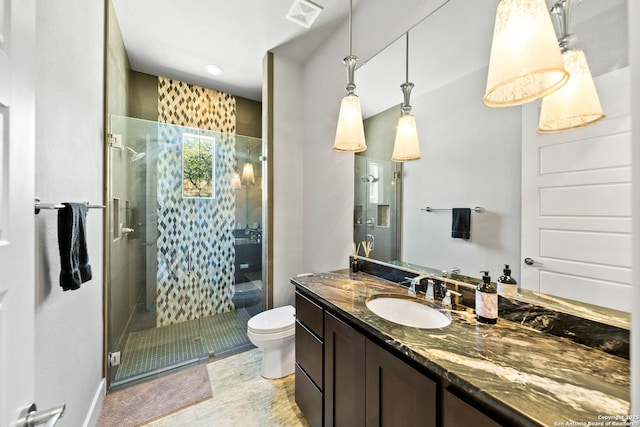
[153, 349]
[241, 397]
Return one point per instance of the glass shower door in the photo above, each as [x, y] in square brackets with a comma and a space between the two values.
[176, 219]
[376, 207]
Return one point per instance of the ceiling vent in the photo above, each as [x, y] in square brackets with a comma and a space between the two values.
[304, 13]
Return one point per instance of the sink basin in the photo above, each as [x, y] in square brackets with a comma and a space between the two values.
[408, 311]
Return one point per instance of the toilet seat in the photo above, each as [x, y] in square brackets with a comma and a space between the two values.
[281, 319]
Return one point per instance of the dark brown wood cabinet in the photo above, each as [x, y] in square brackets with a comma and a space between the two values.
[309, 380]
[397, 394]
[458, 413]
[344, 358]
[344, 378]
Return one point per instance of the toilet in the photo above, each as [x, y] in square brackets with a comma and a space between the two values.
[273, 331]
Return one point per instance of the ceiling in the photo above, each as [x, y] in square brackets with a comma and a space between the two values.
[178, 38]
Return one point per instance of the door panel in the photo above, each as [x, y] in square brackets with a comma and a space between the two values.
[17, 130]
[576, 203]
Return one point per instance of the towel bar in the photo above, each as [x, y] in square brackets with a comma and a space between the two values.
[39, 205]
[477, 209]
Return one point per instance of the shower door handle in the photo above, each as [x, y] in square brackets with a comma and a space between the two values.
[188, 261]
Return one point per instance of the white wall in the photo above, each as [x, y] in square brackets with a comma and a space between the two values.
[634, 28]
[288, 177]
[470, 157]
[69, 138]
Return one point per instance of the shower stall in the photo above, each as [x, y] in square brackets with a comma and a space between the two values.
[184, 246]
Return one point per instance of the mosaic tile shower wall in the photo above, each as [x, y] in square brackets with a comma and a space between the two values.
[195, 243]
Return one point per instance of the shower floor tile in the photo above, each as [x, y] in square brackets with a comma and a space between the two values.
[153, 350]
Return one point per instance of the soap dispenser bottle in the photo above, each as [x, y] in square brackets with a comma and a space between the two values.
[486, 300]
[506, 283]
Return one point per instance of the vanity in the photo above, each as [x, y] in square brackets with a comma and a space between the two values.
[356, 368]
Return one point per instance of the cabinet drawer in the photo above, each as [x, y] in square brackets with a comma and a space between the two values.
[309, 354]
[309, 314]
[308, 398]
[456, 412]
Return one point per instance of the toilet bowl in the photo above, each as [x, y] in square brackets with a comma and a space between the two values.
[273, 331]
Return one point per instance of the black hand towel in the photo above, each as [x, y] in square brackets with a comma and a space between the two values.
[72, 243]
[461, 223]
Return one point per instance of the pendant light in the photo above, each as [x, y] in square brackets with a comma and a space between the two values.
[406, 146]
[525, 62]
[576, 104]
[350, 129]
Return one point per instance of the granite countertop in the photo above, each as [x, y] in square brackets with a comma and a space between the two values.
[528, 376]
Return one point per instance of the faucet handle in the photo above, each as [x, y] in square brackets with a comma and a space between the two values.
[412, 285]
[439, 289]
[446, 301]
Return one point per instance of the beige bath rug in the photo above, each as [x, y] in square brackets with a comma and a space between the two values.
[141, 403]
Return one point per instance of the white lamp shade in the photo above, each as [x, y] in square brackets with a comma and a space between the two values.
[247, 174]
[350, 130]
[525, 62]
[235, 181]
[576, 104]
[406, 146]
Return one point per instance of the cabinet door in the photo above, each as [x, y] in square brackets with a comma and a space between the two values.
[344, 383]
[397, 394]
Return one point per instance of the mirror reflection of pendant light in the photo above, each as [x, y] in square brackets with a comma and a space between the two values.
[525, 62]
[247, 171]
[406, 146]
[576, 104]
[350, 129]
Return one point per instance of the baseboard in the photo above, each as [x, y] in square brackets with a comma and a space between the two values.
[91, 419]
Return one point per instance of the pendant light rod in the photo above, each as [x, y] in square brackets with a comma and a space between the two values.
[350, 61]
[406, 86]
[350, 29]
[407, 60]
[562, 12]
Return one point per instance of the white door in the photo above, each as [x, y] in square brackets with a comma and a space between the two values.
[576, 203]
[17, 270]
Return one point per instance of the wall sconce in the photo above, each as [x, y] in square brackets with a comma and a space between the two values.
[576, 104]
[525, 62]
[247, 171]
[350, 129]
[406, 145]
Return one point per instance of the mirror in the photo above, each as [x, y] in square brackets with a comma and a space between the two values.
[198, 166]
[471, 154]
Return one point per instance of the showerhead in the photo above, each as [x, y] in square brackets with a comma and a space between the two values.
[135, 155]
[369, 178]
